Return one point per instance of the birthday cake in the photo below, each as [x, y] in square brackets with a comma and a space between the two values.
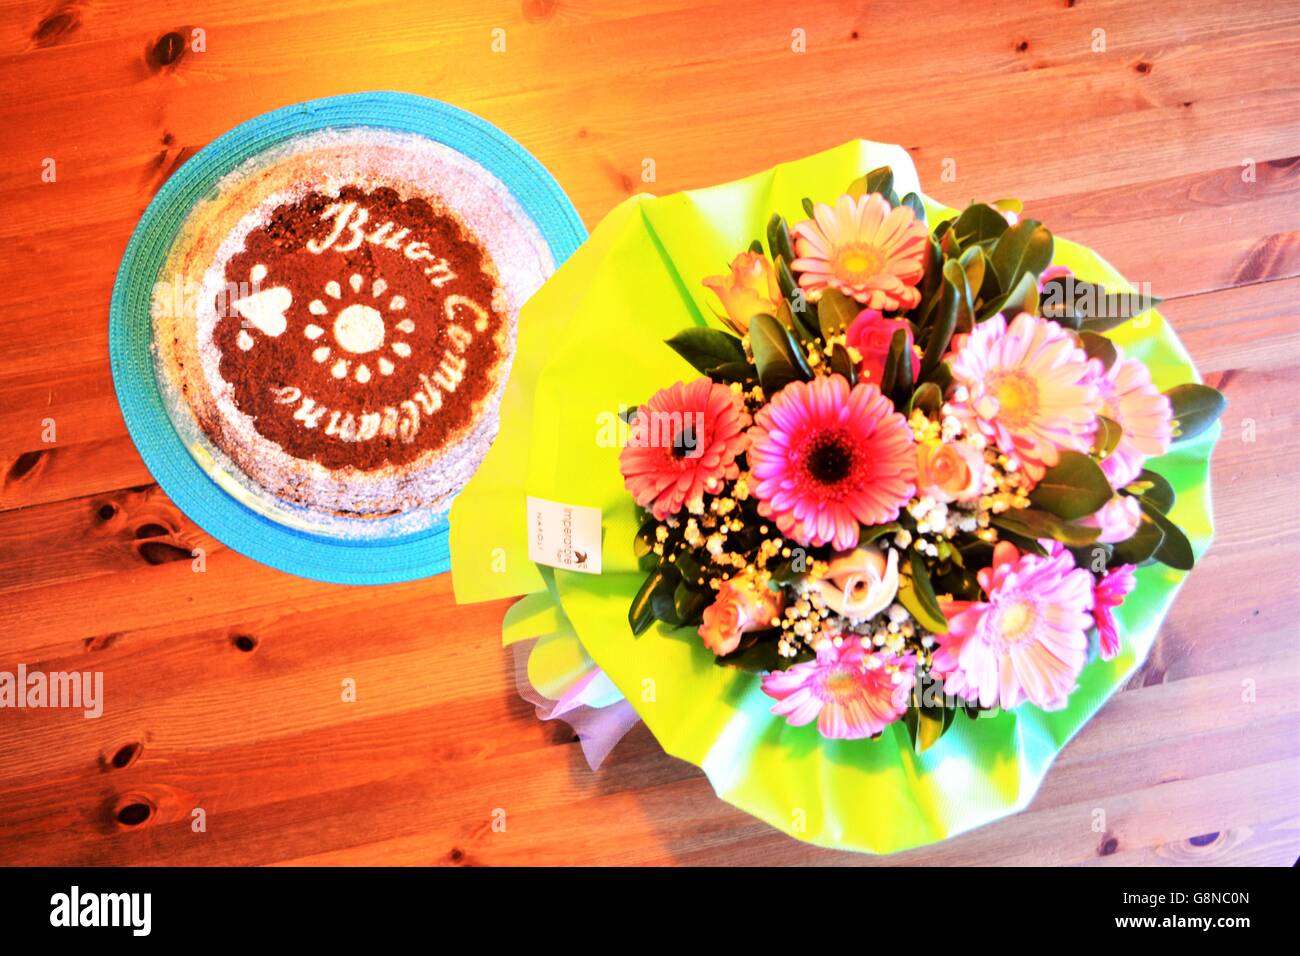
[334, 325]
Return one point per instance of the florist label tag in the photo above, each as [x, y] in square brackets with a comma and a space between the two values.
[564, 536]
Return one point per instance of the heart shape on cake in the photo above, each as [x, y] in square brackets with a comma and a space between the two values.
[265, 310]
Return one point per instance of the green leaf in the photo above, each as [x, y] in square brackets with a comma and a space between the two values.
[896, 368]
[1023, 297]
[925, 725]
[871, 532]
[1072, 488]
[974, 262]
[734, 372]
[1175, 550]
[942, 329]
[913, 202]
[803, 321]
[1032, 524]
[1196, 407]
[641, 614]
[835, 312]
[1107, 438]
[689, 603]
[842, 364]
[707, 349]
[754, 657]
[809, 209]
[663, 601]
[1142, 546]
[778, 238]
[978, 223]
[777, 355]
[1086, 305]
[1098, 347]
[785, 280]
[927, 397]
[1024, 248]
[1154, 489]
[688, 568]
[955, 276]
[916, 593]
[879, 180]
[756, 247]
[1115, 308]
[930, 282]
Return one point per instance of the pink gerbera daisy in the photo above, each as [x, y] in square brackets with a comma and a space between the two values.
[827, 460]
[864, 249]
[1144, 416]
[1029, 640]
[683, 443]
[1026, 387]
[1108, 595]
[852, 693]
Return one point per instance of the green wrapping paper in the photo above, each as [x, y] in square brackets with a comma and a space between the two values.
[591, 342]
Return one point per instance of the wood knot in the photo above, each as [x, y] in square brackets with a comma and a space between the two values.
[1022, 46]
[101, 642]
[1108, 846]
[27, 464]
[1143, 67]
[162, 552]
[244, 642]
[537, 10]
[166, 51]
[123, 756]
[56, 26]
[133, 811]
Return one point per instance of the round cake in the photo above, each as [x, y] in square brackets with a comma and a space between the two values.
[334, 325]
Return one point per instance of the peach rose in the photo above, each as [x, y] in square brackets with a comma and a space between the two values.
[741, 606]
[949, 472]
[750, 289]
[860, 583]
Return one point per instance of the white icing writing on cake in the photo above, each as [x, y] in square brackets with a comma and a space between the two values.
[349, 231]
[403, 420]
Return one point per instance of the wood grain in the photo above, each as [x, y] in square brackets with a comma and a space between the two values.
[1174, 151]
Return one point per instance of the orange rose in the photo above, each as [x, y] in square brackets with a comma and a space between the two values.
[751, 289]
[949, 472]
[741, 606]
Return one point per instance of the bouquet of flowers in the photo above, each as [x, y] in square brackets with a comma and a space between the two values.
[897, 465]
[910, 479]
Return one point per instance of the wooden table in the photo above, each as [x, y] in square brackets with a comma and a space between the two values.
[1167, 139]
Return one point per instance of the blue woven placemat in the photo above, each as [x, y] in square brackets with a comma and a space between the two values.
[130, 329]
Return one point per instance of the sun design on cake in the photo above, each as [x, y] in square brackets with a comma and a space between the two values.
[358, 329]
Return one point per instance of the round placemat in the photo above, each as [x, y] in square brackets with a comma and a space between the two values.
[364, 561]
